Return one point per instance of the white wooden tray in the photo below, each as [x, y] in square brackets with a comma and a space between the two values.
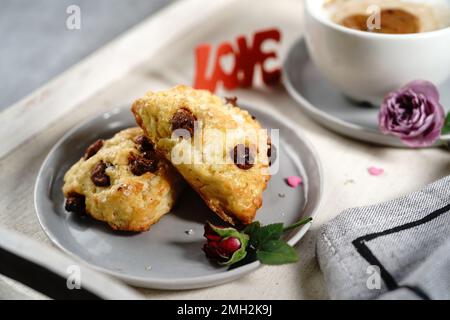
[159, 53]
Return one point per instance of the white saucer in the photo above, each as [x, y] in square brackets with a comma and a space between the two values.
[326, 105]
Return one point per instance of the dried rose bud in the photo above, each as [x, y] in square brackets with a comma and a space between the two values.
[224, 245]
[210, 234]
[229, 245]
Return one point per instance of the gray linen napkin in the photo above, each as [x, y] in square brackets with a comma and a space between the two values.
[395, 250]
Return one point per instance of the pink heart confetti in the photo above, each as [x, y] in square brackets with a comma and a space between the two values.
[374, 171]
[294, 181]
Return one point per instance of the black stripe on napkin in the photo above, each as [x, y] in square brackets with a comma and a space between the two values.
[40, 278]
[364, 251]
[417, 291]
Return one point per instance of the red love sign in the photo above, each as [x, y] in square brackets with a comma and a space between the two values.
[247, 58]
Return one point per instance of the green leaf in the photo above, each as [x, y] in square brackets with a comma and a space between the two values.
[446, 127]
[252, 228]
[267, 233]
[276, 252]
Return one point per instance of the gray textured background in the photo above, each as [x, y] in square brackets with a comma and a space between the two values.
[35, 44]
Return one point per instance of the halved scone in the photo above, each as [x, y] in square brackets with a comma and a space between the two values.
[123, 182]
[219, 149]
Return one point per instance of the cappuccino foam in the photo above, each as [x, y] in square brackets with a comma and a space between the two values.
[429, 15]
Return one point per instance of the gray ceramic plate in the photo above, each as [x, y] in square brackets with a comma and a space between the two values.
[326, 105]
[167, 257]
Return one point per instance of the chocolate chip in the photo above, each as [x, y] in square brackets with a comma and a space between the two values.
[144, 143]
[140, 165]
[150, 155]
[146, 147]
[76, 203]
[271, 153]
[243, 156]
[93, 149]
[183, 119]
[231, 100]
[99, 176]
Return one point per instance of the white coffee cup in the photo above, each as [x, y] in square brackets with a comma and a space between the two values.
[365, 66]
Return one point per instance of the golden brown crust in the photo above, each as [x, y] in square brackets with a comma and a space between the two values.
[231, 192]
[129, 202]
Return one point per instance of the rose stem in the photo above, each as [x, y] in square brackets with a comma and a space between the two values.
[297, 224]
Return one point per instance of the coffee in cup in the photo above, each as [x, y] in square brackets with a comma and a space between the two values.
[413, 43]
[388, 16]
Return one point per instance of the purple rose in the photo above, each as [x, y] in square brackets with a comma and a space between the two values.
[413, 114]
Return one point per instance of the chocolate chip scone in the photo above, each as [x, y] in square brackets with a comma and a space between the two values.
[218, 148]
[123, 182]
